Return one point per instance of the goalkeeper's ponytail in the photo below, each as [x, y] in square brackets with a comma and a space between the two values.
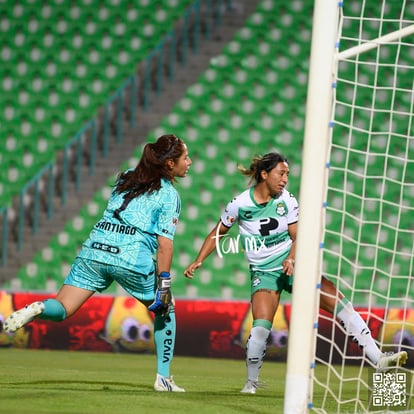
[152, 167]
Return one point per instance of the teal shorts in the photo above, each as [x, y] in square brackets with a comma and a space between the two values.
[276, 281]
[96, 276]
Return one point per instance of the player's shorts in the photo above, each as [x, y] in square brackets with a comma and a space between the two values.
[95, 276]
[275, 280]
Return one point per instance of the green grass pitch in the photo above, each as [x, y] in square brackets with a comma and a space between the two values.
[39, 381]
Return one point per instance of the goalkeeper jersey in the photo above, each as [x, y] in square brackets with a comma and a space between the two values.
[132, 242]
[263, 228]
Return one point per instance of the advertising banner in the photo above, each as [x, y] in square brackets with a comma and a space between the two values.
[207, 327]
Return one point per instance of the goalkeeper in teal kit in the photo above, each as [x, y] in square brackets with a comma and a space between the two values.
[133, 245]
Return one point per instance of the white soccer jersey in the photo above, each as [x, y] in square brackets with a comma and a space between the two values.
[263, 229]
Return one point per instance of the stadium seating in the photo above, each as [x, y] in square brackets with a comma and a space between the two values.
[60, 63]
[250, 100]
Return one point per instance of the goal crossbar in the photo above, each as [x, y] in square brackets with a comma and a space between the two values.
[372, 44]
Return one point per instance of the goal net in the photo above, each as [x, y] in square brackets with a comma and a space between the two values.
[364, 238]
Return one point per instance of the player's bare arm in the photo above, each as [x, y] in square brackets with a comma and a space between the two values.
[207, 248]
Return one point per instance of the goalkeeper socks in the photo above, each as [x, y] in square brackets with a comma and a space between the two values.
[54, 311]
[356, 327]
[256, 347]
[164, 339]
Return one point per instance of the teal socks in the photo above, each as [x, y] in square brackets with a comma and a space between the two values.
[54, 311]
[164, 339]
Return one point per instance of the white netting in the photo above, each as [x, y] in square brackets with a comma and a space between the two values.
[369, 230]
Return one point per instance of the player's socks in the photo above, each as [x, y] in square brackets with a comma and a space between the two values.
[54, 311]
[356, 327]
[164, 338]
[256, 347]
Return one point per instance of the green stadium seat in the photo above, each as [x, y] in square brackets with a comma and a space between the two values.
[126, 58]
[82, 70]
[31, 277]
[10, 145]
[198, 91]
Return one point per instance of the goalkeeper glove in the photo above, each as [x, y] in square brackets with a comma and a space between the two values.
[163, 296]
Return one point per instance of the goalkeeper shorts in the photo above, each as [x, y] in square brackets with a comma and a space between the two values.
[274, 280]
[96, 276]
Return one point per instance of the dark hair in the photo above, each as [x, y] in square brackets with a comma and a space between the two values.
[152, 167]
[262, 163]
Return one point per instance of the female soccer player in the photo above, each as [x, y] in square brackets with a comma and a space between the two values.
[267, 216]
[139, 222]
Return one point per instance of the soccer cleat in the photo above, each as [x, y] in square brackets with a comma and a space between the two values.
[391, 359]
[250, 387]
[166, 384]
[23, 316]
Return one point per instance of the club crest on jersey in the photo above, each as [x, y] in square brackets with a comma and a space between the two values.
[256, 282]
[281, 209]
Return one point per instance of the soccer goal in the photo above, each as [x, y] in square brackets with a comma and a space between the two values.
[357, 207]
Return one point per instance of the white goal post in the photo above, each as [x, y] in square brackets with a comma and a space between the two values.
[311, 197]
[319, 152]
